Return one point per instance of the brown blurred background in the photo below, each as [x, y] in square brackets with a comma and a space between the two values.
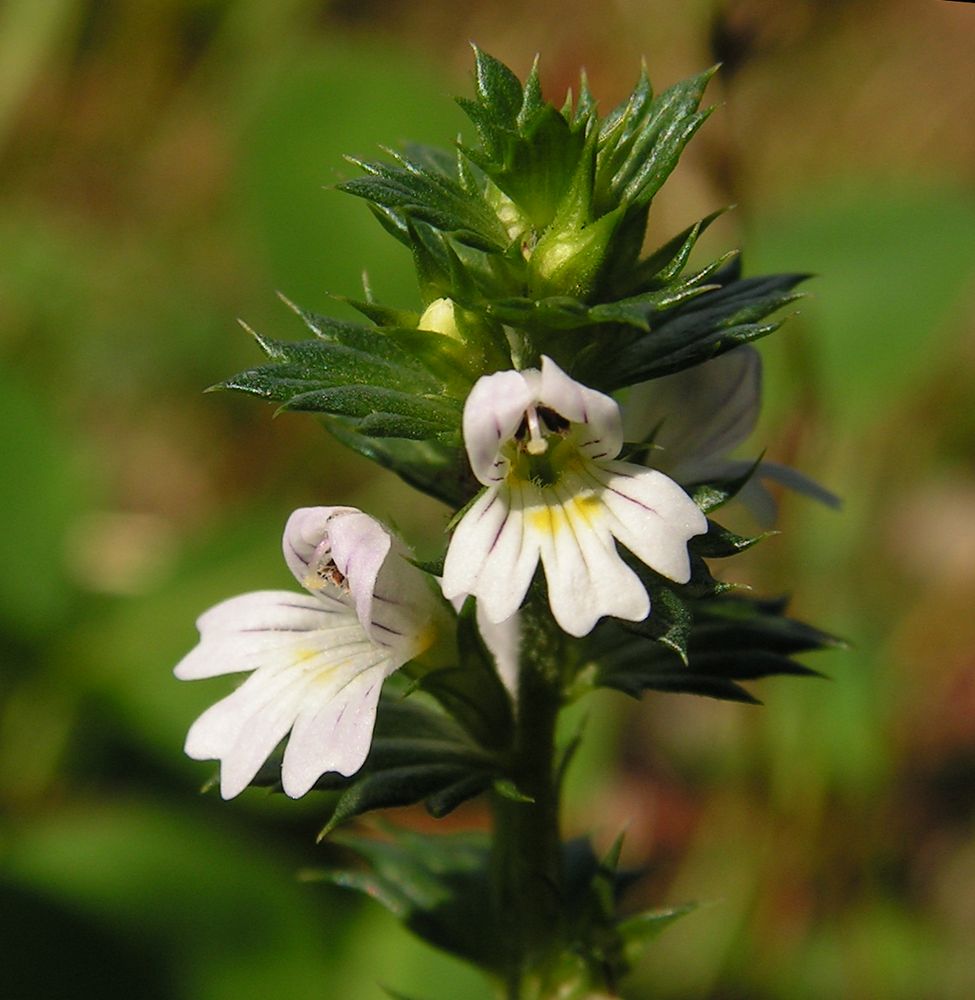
[165, 168]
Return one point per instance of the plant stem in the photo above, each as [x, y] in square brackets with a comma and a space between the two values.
[527, 846]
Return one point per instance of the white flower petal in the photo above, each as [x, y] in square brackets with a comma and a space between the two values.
[702, 412]
[360, 547]
[333, 732]
[585, 575]
[304, 533]
[490, 555]
[503, 640]
[246, 632]
[600, 434]
[243, 729]
[492, 414]
[653, 517]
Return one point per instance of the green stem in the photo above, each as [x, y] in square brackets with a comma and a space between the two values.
[527, 846]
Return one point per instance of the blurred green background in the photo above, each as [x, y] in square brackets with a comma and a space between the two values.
[164, 168]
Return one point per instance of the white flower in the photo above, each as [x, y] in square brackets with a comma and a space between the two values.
[545, 448]
[319, 659]
[700, 415]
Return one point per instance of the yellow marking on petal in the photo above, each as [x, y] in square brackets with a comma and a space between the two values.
[551, 519]
[543, 519]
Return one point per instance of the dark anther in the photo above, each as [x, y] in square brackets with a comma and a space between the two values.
[555, 422]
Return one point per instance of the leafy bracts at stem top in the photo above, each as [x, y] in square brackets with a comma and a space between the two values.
[526, 244]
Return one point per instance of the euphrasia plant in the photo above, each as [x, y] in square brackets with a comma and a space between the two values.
[576, 554]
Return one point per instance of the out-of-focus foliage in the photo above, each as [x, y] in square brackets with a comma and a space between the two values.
[162, 170]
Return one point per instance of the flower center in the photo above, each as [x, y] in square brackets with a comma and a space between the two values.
[539, 453]
[323, 574]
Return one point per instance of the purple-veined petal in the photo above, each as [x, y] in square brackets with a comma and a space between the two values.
[360, 547]
[247, 632]
[243, 729]
[489, 556]
[348, 555]
[652, 516]
[599, 434]
[333, 732]
[586, 577]
[492, 414]
[304, 534]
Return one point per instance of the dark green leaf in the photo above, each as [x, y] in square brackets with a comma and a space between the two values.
[439, 887]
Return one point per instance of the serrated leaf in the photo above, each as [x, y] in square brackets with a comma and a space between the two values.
[718, 542]
[669, 622]
[641, 929]
[439, 887]
[420, 192]
[698, 329]
[711, 495]
[398, 786]
[641, 141]
[440, 470]
[529, 149]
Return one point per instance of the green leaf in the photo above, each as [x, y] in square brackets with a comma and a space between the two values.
[641, 929]
[420, 191]
[439, 887]
[669, 622]
[433, 467]
[507, 789]
[529, 149]
[698, 329]
[396, 786]
[641, 141]
[716, 493]
[719, 542]
[731, 639]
